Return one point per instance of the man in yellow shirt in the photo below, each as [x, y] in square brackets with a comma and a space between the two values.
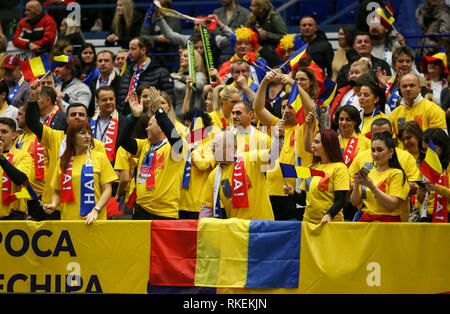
[414, 107]
[237, 184]
[15, 166]
[247, 136]
[293, 150]
[160, 167]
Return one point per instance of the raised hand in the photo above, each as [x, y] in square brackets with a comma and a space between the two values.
[136, 107]
[35, 90]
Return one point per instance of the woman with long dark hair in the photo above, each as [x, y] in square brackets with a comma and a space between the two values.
[87, 57]
[83, 181]
[372, 101]
[351, 141]
[383, 191]
[324, 196]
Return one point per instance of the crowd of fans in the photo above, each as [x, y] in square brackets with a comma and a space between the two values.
[112, 135]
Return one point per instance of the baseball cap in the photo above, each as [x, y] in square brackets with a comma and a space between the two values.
[11, 62]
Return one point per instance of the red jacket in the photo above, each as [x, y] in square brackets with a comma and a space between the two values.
[41, 31]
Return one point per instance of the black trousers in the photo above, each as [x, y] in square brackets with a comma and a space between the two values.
[142, 214]
[184, 214]
[14, 216]
[285, 208]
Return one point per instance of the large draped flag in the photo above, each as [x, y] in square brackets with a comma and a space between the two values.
[35, 67]
[386, 15]
[212, 252]
[326, 97]
[431, 165]
[296, 102]
[293, 171]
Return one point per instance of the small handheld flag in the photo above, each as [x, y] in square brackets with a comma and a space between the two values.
[35, 67]
[431, 165]
[297, 56]
[326, 97]
[292, 171]
[386, 16]
[296, 102]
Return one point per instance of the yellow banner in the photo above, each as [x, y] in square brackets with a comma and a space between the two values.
[74, 257]
[114, 257]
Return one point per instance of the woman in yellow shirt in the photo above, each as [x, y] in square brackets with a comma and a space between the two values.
[224, 97]
[384, 189]
[372, 101]
[82, 182]
[325, 196]
[351, 140]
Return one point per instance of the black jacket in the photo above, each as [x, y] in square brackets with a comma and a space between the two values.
[115, 85]
[155, 75]
[321, 51]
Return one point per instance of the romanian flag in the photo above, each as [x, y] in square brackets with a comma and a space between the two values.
[25, 193]
[35, 67]
[299, 54]
[221, 253]
[431, 165]
[292, 171]
[386, 15]
[197, 129]
[296, 102]
[327, 96]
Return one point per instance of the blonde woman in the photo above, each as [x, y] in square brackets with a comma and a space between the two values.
[125, 25]
[224, 97]
[70, 32]
[183, 92]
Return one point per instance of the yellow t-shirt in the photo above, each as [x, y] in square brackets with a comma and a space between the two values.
[390, 182]
[367, 123]
[287, 156]
[320, 190]
[202, 163]
[103, 173]
[252, 140]
[164, 198]
[258, 196]
[362, 145]
[124, 161]
[216, 121]
[426, 113]
[23, 162]
[52, 139]
[406, 160]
